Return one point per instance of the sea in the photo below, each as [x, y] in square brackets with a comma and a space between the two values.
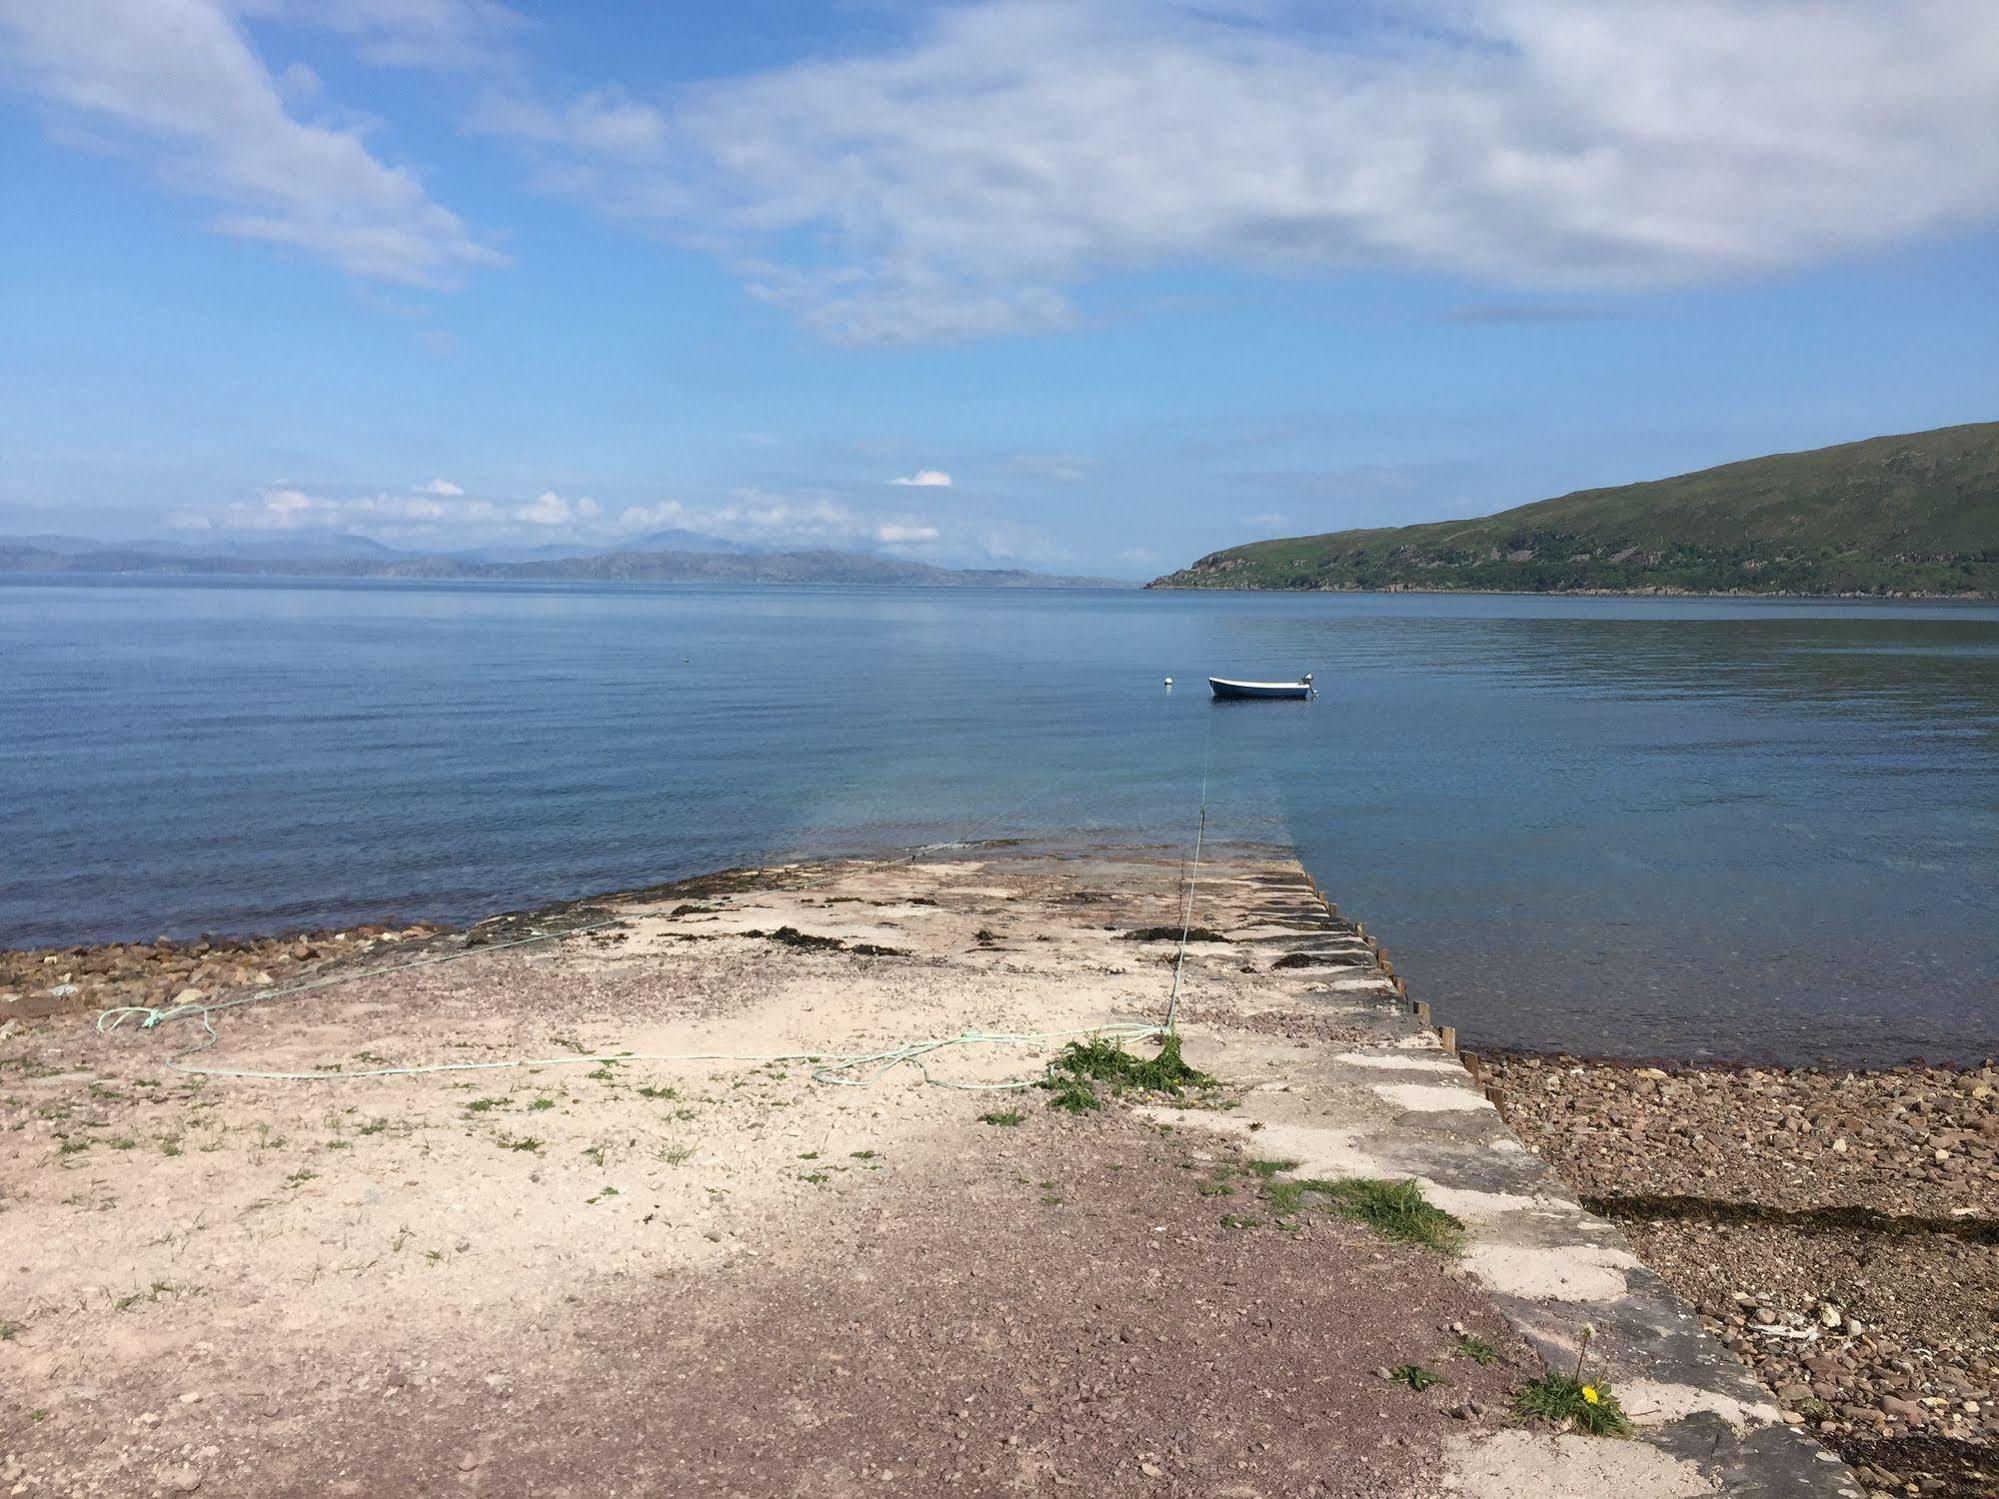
[1731, 829]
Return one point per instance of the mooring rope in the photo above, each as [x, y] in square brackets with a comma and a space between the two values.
[1194, 875]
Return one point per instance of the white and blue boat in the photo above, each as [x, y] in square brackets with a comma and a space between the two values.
[1230, 688]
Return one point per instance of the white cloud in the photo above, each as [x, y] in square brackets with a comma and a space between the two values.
[604, 121]
[966, 181]
[551, 509]
[286, 507]
[925, 478]
[906, 533]
[440, 486]
[406, 33]
[181, 80]
[428, 518]
[1011, 543]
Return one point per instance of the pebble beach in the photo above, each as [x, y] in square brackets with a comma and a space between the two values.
[1838, 1229]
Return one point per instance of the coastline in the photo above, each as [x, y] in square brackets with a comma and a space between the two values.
[478, 1221]
[1891, 596]
[1837, 1229]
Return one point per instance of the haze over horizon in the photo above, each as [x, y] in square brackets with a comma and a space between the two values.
[1088, 287]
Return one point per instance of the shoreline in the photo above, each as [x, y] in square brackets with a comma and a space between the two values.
[1892, 596]
[1855, 1190]
[603, 1202]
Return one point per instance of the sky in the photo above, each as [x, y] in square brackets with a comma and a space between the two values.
[1089, 286]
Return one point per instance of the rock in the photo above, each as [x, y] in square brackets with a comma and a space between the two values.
[188, 996]
[1831, 1316]
[303, 952]
[1905, 1411]
[182, 1480]
[467, 1461]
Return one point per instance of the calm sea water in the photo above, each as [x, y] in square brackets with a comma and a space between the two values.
[1762, 829]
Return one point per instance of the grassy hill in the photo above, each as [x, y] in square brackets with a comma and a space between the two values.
[1912, 514]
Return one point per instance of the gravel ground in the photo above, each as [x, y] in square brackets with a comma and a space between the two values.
[700, 1270]
[1839, 1230]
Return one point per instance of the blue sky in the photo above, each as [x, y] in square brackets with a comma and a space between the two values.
[1106, 284]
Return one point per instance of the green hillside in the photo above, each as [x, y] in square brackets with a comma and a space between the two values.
[1912, 514]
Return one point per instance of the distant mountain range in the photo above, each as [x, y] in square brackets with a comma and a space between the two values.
[697, 559]
[1915, 514]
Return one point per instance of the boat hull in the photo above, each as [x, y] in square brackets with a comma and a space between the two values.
[1223, 687]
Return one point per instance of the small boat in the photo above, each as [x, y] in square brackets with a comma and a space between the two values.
[1226, 687]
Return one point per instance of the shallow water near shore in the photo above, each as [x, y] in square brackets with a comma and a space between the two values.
[1764, 829]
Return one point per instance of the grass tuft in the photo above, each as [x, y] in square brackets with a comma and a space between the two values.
[1590, 1408]
[1269, 1169]
[1477, 1350]
[1004, 1118]
[1072, 1095]
[1395, 1210]
[1416, 1376]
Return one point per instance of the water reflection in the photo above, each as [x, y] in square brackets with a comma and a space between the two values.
[1647, 826]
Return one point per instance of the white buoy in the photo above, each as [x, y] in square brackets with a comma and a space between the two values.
[1169, 683]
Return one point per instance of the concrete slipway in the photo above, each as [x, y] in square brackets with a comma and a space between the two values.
[408, 1233]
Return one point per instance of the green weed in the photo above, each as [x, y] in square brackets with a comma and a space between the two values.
[1477, 1350]
[1004, 1118]
[1269, 1169]
[1395, 1210]
[1098, 1060]
[1590, 1408]
[1416, 1376]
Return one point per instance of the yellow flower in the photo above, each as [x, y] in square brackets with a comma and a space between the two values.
[1590, 1394]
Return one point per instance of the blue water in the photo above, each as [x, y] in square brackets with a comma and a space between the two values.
[1764, 829]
